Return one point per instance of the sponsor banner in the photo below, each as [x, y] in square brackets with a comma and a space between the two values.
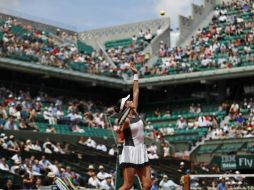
[235, 162]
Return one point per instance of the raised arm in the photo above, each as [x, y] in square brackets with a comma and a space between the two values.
[135, 85]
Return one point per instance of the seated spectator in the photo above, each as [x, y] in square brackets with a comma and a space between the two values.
[157, 112]
[50, 129]
[93, 181]
[234, 109]
[32, 115]
[44, 162]
[10, 124]
[50, 179]
[8, 185]
[67, 148]
[15, 169]
[48, 147]
[107, 183]
[91, 170]
[67, 172]
[98, 120]
[148, 36]
[149, 126]
[192, 108]
[37, 167]
[202, 121]
[101, 175]
[112, 151]
[90, 143]
[58, 148]
[181, 123]
[152, 148]
[152, 155]
[147, 71]
[12, 145]
[28, 145]
[16, 157]
[53, 168]
[37, 146]
[74, 117]
[155, 183]
[225, 128]
[27, 181]
[198, 109]
[214, 122]
[3, 115]
[3, 165]
[167, 113]
[170, 130]
[181, 168]
[222, 185]
[38, 184]
[166, 184]
[76, 128]
[30, 171]
[101, 147]
[240, 119]
[24, 126]
[89, 119]
[49, 117]
[12, 108]
[81, 140]
[166, 151]
[59, 113]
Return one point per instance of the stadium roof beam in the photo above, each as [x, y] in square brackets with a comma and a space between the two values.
[207, 76]
[61, 73]
[184, 78]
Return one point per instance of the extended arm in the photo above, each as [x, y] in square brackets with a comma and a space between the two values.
[135, 85]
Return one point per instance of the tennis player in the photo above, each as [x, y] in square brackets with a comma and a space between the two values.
[134, 159]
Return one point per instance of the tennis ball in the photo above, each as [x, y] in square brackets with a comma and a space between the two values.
[162, 13]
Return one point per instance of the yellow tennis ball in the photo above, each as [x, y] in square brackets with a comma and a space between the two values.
[162, 13]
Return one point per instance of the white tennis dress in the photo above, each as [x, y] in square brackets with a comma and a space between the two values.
[134, 152]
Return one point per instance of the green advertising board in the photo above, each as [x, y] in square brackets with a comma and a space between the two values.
[235, 162]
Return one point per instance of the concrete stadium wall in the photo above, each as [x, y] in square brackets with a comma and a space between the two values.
[73, 139]
[188, 25]
[122, 31]
[155, 45]
[219, 2]
[208, 157]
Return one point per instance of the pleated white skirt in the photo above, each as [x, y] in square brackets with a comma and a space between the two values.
[134, 156]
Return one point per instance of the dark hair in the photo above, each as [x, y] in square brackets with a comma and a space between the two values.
[117, 106]
[9, 179]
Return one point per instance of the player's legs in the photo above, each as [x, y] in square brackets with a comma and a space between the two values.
[128, 174]
[144, 175]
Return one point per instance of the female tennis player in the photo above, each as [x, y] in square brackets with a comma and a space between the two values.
[134, 159]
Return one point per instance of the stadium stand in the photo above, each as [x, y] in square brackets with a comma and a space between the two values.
[227, 42]
[21, 111]
[186, 125]
[63, 50]
[122, 50]
[50, 116]
[44, 157]
[28, 44]
[73, 135]
[220, 45]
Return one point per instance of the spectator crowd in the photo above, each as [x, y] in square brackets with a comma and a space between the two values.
[227, 42]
